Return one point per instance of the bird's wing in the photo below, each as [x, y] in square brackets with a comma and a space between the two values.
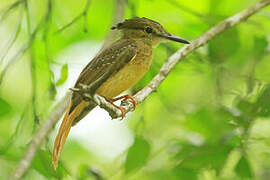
[111, 59]
[103, 66]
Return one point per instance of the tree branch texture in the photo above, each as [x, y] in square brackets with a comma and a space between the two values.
[34, 145]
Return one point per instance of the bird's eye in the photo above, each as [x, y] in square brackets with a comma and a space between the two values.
[149, 30]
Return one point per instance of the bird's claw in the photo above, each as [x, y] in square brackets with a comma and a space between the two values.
[122, 109]
[126, 97]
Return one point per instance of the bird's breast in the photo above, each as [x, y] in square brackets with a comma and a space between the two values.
[128, 76]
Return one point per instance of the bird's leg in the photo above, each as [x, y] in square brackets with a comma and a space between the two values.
[122, 109]
[126, 97]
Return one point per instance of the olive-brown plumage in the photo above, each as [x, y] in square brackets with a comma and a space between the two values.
[127, 60]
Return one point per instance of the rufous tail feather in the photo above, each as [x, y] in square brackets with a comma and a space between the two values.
[64, 130]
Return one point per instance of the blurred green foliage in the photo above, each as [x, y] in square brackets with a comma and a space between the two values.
[137, 154]
[64, 75]
[208, 120]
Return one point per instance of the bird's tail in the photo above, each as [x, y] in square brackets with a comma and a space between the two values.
[64, 130]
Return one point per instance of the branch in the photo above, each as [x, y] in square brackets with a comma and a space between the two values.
[146, 91]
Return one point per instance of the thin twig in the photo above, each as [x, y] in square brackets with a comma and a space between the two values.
[48, 19]
[81, 15]
[14, 135]
[132, 7]
[13, 39]
[14, 59]
[146, 91]
[85, 13]
[10, 8]
[188, 10]
[46, 32]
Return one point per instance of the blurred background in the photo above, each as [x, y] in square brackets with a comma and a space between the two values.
[208, 120]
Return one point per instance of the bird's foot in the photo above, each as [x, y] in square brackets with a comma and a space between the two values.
[122, 109]
[123, 98]
[126, 97]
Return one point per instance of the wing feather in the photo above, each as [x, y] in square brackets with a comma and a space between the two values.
[103, 66]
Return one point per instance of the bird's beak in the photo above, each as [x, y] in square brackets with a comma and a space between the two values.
[175, 38]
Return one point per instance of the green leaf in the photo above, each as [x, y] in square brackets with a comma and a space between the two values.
[224, 46]
[263, 103]
[260, 46]
[213, 156]
[243, 168]
[64, 75]
[185, 173]
[4, 107]
[247, 110]
[52, 87]
[42, 164]
[163, 173]
[83, 172]
[86, 172]
[137, 154]
[206, 121]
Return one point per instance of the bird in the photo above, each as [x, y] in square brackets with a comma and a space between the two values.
[124, 62]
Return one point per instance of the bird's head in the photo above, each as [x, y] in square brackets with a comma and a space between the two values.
[146, 29]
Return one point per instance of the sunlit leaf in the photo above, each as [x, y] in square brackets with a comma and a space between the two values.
[243, 168]
[137, 154]
[64, 75]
